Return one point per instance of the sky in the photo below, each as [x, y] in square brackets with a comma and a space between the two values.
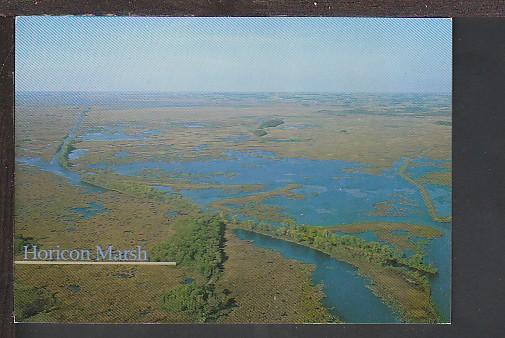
[233, 54]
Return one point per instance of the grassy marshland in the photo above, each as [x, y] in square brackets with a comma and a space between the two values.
[401, 282]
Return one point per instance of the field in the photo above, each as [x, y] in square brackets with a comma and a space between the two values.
[360, 181]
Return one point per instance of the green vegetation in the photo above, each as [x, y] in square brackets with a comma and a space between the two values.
[147, 187]
[344, 246]
[441, 178]
[66, 148]
[386, 208]
[402, 282]
[203, 302]
[397, 234]
[417, 230]
[200, 186]
[260, 132]
[30, 301]
[197, 244]
[267, 124]
[251, 206]
[424, 193]
[137, 189]
[20, 241]
[129, 187]
[196, 241]
[401, 241]
[271, 123]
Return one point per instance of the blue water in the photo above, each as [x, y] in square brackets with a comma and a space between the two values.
[203, 197]
[340, 193]
[115, 133]
[288, 126]
[335, 192]
[438, 253]
[121, 154]
[164, 188]
[152, 132]
[109, 136]
[53, 166]
[194, 125]
[92, 209]
[441, 197]
[438, 250]
[333, 196]
[200, 147]
[418, 171]
[76, 154]
[187, 280]
[237, 138]
[347, 294]
[172, 214]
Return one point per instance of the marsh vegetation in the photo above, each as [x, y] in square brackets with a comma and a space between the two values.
[199, 245]
[374, 197]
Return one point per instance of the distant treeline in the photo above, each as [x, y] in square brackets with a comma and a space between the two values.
[267, 124]
[271, 123]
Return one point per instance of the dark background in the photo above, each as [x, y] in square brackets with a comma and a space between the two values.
[439, 8]
[478, 167]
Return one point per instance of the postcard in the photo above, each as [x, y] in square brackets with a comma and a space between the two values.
[233, 170]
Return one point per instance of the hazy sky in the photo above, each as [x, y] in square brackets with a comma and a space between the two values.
[233, 54]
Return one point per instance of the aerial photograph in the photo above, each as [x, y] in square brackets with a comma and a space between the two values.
[293, 170]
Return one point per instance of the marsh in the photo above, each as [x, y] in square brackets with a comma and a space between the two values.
[317, 177]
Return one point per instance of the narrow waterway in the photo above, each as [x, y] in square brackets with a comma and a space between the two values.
[54, 166]
[347, 293]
